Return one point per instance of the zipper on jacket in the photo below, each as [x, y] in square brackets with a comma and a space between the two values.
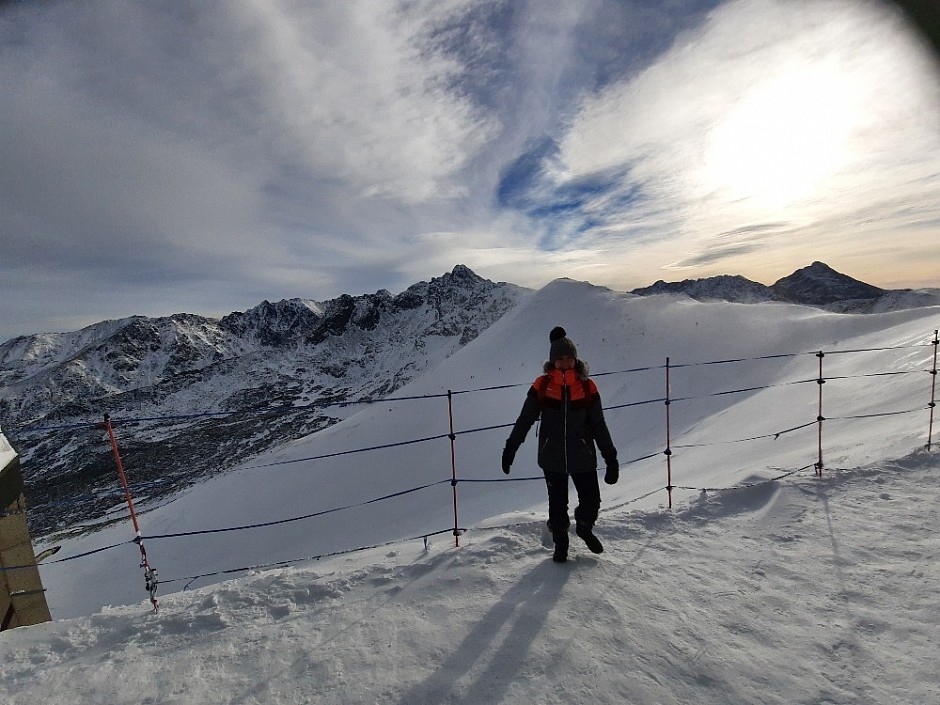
[564, 405]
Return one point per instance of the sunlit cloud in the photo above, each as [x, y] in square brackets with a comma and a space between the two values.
[205, 157]
[799, 113]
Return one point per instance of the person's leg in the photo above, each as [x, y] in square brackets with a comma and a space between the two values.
[589, 505]
[558, 522]
[589, 497]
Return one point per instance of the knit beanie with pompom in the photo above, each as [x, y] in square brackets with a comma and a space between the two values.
[561, 345]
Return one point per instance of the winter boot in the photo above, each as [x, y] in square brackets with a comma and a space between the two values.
[560, 539]
[561, 548]
[583, 530]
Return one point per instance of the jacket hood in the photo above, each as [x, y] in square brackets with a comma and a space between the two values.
[580, 366]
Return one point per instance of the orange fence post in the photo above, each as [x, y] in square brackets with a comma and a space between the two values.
[819, 417]
[668, 451]
[453, 463]
[933, 388]
[150, 575]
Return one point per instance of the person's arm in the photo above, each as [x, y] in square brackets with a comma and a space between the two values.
[604, 442]
[528, 416]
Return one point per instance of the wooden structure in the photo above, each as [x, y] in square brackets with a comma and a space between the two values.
[22, 597]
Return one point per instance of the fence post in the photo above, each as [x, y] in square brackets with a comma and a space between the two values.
[819, 417]
[453, 463]
[933, 388]
[668, 451]
[150, 575]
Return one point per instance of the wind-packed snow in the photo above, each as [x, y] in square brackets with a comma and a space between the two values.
[801, 590]
[6, 451]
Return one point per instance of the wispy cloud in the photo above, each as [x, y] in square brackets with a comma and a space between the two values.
[805, 111]
[172, 156]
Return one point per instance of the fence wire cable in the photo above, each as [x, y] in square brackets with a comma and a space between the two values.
[24, 428]
[775, 435]
[84, 554]
[876, 415]
[463, 432]
[746, 485]
[276, 522]
[290, 561]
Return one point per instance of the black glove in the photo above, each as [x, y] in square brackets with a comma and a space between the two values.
[612, 474]
[508, 456]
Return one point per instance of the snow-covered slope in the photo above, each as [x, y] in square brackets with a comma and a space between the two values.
[626, 339]
[811, 590]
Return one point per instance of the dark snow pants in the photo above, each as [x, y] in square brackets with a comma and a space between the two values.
[589, 499]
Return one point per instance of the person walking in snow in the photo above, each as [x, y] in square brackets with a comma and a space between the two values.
[572, 422]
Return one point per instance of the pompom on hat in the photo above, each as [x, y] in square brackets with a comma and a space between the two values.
[561, 345]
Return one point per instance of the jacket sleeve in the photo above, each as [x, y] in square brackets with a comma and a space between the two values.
[601, 432]
[528, 416]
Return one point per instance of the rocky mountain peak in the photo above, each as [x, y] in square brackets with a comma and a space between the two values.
[819, 285]
[273, 324]
[462, 271]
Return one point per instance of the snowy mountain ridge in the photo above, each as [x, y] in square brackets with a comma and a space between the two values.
[383, 473]
[214, 392]
[783, 587]
[275, 372]
[817, 285]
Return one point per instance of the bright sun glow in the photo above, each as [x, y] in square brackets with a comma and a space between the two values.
[778, 144]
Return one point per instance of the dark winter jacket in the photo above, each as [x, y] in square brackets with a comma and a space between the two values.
[572, 421]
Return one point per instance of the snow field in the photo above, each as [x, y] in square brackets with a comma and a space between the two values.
[808, 590]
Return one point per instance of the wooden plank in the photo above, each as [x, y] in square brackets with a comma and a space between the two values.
[22, 597]
[13, 531]
[28, 606]
[11, 483]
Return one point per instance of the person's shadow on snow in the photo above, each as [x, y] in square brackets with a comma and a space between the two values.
[489, 658]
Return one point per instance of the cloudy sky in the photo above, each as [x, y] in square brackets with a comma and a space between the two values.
[168, 156]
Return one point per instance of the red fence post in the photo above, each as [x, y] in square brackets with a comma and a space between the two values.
[150, 575]
[819, 417]
[453, 463]
[933, 388]
[668, 451]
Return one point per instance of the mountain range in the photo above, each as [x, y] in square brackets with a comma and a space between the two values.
[193, 396]
[206, 393]
[816, 285]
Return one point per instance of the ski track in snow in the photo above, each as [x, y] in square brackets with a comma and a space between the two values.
[807, 590]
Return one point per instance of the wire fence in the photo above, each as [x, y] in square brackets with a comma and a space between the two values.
[927, 364]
